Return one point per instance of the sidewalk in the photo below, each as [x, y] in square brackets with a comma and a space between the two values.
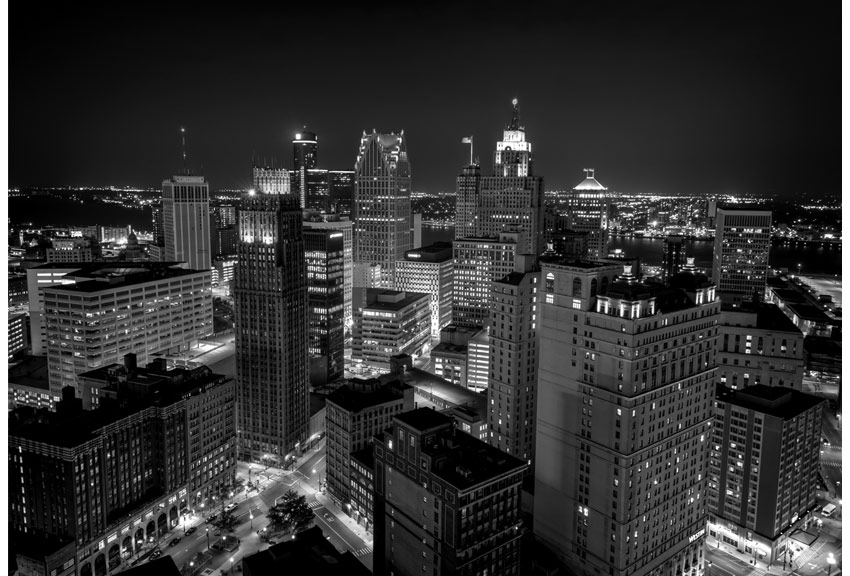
[349, 522]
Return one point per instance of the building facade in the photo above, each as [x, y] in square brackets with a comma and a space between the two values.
[390, 323]
[741, 249]
[324, 249]
[763, 468]
[430, 270]
[271, 326]
[445, 502]
[512, 388]
[382, 202]
[112, 311]
[333, 224]
[759, 344]
[588, 205]
[627, 374]
[186, 221]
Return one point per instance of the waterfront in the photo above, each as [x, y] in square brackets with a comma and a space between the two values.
[815, 258]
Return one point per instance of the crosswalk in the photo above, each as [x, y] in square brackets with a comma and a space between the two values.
[314, 504]
[363, 551]
[831, 464]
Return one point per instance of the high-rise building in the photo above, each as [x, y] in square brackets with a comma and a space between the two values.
[271, 326]
[16, 336]
[356, 412]
[588, 206]
[477, 263]
[186, 221]
[334, 224]
[511, 200]
[673, 256]
[119, 476]
[341, 191]
[38, 278]
[445, 502]
[759, 344]
[478, 360]
[157, 225]
[625, 392]
[305, 156]
[762, 476]
[324, 250]
[429, 270]
[741, 248]
[382, 202]
[111, 310]
[390, 322]
[512, 388]
[271, 180]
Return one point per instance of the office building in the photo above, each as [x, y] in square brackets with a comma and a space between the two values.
[118, 478]
[72, 250]
[625, 391]
[445, 502]
[324, 250]
[271, 325]
[478, 360]
[382, 203]
[673, 256]
[38, 278]
[430, 270]
[158, 225]
[512, 388]
[759, 344]
[763, 468]
[18, 290]
[389, 323]
[356, 412]
[450, 362]
[741, 248]
[186, 221]
[341, 192]
[477, 263]
[268, 180]
[588, 205]
[16, 336]
[305, 156]
[334, 224]
[511, 200]
[111, 310]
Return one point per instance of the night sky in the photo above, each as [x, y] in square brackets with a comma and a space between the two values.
[667, 97]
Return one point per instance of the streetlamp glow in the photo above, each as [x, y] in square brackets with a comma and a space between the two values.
[830, 560]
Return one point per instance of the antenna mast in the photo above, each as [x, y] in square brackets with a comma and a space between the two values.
[183, 140]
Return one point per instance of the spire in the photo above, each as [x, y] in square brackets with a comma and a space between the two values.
[183, 141]
[515, 118]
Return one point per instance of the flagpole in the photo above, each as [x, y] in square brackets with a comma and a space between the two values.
[470, 150]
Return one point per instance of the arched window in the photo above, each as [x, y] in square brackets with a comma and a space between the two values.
[593, 288]
[550, 282]
[577, 287]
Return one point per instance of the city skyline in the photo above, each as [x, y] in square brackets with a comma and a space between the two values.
[657, 97]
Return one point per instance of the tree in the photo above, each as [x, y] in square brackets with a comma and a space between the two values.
[226, 522]
[290, 514]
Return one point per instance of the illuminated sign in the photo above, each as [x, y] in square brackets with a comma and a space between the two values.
[336, 235]
[696, 536]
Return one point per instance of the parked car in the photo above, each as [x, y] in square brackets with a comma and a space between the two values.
[230, 507]
[191, 530]
[156, 553]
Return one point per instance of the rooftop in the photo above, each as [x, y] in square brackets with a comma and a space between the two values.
[308, 553]
[778, 401]
[762, 315]
[103, 279]
[31, 371]
[402, 299]
[808, 312]
[424, 419]
[360, 394]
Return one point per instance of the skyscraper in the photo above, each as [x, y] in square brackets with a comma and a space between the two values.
[271, 180]
[588, 205]
[512, 388]
[382, 202]
[430, 270]
[625, 392]
[741, 248]
[673, 256]
[270, 309]
[305, 156]
[186, 221]
[511, 200]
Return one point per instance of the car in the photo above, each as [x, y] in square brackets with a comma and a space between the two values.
[156, 553]
[191, 530]
[207, 572]
[212, 518]
[174, 542]
[230, 507]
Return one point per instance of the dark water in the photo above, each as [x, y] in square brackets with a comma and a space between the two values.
[815, 259]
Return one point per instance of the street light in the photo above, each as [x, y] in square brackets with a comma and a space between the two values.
[251, 516]
[708, 573]
[208, 538]
[830, 560]
[799, 269]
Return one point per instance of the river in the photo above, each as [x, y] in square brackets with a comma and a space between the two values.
[816, 259]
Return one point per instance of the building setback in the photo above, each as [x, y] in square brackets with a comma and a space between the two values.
[270, 310]
[382, 203]
[120, 308]
[445, 502]
[627, 374]
[356, 412]
[763, 469]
